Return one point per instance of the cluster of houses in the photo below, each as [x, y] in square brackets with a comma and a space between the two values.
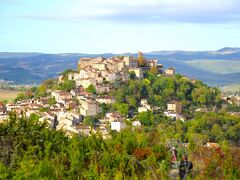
[70, 108]
[145, 106]
[102, 72]
[231, 99]
[66, 113]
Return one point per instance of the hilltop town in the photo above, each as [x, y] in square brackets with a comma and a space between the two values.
[80, 109]
[100, 74]
[79, 101]
[112, 111]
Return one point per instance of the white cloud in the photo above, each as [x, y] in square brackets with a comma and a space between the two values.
[178, 4]
[199, 11]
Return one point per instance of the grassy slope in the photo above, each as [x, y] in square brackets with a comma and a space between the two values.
[8, 95]
[231, 89]
[216, 66]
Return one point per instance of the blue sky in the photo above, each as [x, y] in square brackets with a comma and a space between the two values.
[98, 26]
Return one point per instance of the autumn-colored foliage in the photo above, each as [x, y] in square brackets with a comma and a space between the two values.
[154, 70]
[141, 61]
[217, 163]
[142, 153]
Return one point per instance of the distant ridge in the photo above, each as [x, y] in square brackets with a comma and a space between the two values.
[234, 49]
[161, 52]
[225, 50]
[28, 68]
[18, 54]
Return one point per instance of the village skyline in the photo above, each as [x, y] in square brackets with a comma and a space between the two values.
[119, 89]
[144, 110]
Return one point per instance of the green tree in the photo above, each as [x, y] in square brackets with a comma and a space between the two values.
[20, 96]
[41, 91]
[146, 118]
[49, 83]
[141, 61]
[89, 120]
[5, 173]
[132, 101]
[44, 109]
[123, 108]
[67, 85]
[91, 89]
[132, 75]
[154, 70]
[34, 117]
[51, 101]
[120, 95]
[66, 72]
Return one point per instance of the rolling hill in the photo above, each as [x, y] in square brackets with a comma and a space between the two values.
[221, 67]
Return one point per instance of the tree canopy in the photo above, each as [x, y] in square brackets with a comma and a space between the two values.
[30, 150]
[67, 85]
[91, 89]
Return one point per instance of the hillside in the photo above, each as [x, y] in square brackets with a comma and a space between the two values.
[219, 68]
[32, 150]
[8, 95]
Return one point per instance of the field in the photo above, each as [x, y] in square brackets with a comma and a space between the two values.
[231, 89]
[216, 66]
[8, 95]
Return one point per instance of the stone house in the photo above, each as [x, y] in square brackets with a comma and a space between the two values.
[174, 106]
[130, 62]
[76, 91]
[152, 63]
[118, 125]
[170, 71]
[100, 66]
[61, 95]
[86, 82]
[83, 62]
[89, 108]
[83, 129]
[144, 106]
[118, 65]
[109, 75]
[138, 72]
[113, 116]
[106, 99]
[174, 115]
[102, 88]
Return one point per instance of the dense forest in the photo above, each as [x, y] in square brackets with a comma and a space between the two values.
[159, 90]
[31, 150]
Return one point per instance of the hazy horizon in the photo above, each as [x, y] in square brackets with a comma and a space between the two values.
[90, 53]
